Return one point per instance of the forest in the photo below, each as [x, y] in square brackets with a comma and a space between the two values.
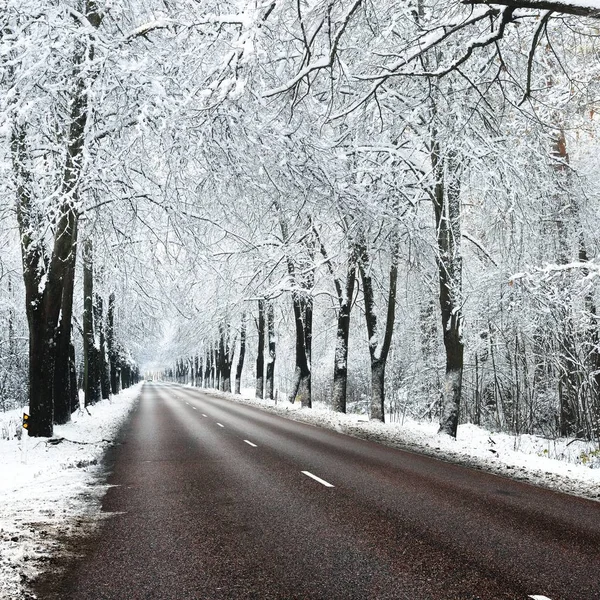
[387, 208]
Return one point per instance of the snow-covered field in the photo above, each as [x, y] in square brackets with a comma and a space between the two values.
[50, 490]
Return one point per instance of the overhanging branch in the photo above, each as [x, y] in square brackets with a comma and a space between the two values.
[579, 8]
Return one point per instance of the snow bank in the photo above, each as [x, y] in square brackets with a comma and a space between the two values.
[49, 489]
[567, 465]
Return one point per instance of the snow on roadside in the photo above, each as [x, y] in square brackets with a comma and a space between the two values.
[49, 490]
[567, 465]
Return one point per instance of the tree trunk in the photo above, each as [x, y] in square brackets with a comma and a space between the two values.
[124, 377]
[594, 350]
[110, 342]
[37, 302]
[344, 297]
[302, 302]
[302, 385]
[207, 368]
[378, 390]
[271, 341]
[447, 221]
[378, 350]
[260, 354]
[569, 367]
[102, 360]
[91, 375]
[221, 360]
[41, 372]
[241, 357]
[216, 368]
[213, 367]
[340, 365]
[226, 375]
[62, 366]
[73, 389]
[226, 350]
[44, 301]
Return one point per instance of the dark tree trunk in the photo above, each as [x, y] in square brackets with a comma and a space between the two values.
[41, 306]
[216, 368]
[344, 297]
[62, 366]
[221, 360]
[302, 385]
[241, 357]
[594, 350]
[110, 342]
[226, 350]
[73, 389]
[44, 301]
[207, 369]
[378, 350]
[447, 221]
[569, 383]
[102, 360]
[226, 375]
[340, 366]
[90, 352]
[302, 302]
[271, 341]
[12, 349]
[378, 389]
[213, 367]
[41, 380]
[260, 353]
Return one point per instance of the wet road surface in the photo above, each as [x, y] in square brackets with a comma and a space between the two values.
[217, 500]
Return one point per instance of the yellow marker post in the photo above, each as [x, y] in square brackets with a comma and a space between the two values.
[24, 441]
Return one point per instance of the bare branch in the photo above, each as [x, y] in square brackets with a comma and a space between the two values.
[536, 37]
[323, 63]
[579, 8]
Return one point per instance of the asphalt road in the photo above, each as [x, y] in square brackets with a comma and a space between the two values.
[215, 500]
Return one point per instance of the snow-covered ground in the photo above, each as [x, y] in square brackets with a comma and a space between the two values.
[49, 490]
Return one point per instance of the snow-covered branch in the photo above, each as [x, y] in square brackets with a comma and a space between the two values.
[323, 63]
[589, 268]
[428, 42]
[437, 36]
[164, 23]
[580, 8]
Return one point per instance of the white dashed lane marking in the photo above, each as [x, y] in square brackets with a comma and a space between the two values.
[539, 597]
[251, 444]
[194, 408]
[321, 481]
[203, 415]
[220, 425]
